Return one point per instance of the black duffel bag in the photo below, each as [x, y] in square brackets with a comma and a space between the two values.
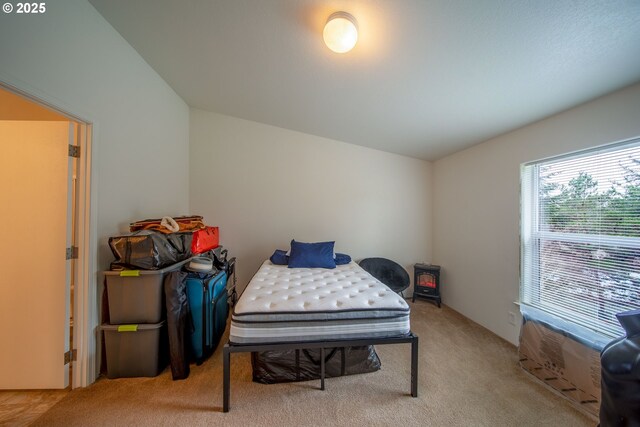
[271, 367]
[149, 250]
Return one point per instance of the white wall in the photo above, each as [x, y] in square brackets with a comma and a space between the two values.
[73, 58]
[264, 185]
[476, 204]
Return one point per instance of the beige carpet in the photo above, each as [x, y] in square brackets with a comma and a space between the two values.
[468, 377]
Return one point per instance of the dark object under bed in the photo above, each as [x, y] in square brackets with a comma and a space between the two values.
[271, 367]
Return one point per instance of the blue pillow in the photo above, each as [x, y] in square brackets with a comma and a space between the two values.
[279, 257]
[342, 259]
[311, 255]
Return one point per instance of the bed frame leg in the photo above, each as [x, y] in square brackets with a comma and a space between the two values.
[414, 367]
[226, 354]
[322, 368]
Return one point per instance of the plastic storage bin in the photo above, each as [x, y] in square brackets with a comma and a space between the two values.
[135, 350]
[137, 296]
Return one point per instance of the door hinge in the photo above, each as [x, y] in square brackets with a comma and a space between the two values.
[74, 150]
[70, 356]
[72, 252]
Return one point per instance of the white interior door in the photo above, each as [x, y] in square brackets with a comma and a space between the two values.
[35, 196]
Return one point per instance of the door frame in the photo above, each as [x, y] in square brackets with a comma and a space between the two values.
[85, 312]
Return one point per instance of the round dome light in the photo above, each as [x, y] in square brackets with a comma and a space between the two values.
[341, 32]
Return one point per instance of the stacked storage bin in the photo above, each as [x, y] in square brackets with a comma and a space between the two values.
[135, 337]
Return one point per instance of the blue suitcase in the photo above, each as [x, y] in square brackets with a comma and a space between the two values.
[207, 295]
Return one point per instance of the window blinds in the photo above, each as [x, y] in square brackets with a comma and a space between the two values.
[580, 236]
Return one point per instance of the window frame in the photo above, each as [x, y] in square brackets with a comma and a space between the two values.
[530, 234]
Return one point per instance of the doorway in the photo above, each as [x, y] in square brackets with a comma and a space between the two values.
[44, 177]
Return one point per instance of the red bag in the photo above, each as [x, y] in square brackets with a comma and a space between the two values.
[205, 240]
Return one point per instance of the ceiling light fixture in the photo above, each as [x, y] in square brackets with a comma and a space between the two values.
[340, 32]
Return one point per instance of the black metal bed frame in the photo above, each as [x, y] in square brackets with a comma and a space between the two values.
[322, 345]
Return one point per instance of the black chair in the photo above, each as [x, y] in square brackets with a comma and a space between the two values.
[388, 272]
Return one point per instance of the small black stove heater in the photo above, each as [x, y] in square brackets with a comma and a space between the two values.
[426, 282]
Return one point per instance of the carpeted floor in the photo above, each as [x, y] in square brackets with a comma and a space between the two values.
[468, 377]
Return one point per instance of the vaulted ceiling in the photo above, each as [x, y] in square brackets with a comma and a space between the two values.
[427, 77]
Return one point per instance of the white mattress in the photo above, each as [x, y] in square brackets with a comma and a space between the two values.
[283, 304]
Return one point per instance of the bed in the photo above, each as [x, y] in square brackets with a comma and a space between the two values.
[301, 308]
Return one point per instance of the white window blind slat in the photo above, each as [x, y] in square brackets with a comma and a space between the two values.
[580, 236]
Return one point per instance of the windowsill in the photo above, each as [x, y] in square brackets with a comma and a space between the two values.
[576, 332]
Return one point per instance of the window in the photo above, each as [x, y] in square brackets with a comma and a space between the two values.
[580, 236]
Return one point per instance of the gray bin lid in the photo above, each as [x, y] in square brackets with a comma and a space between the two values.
[172, 267]
[132, 327]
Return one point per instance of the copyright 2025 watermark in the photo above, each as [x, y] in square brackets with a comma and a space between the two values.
[24, 8]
